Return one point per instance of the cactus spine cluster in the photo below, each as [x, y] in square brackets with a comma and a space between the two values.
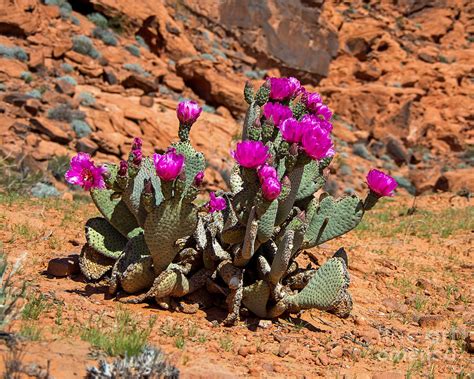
[154, 241]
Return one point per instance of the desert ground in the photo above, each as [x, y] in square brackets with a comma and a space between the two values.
[411, 269]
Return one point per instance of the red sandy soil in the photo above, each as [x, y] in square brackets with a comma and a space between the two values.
[412, 286]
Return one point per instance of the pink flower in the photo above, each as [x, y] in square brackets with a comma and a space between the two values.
[84, 173]
[271, 188]
[123, 168]
[312, 101]
[168, 166]
[266, 171]
[315, 120]
[250, 154]
[216, 203]
[198, 178]
[381, 183]
[283, 88]
[137, 143]
[324, 111]
[292, 130]
[317, 143]
[188, 112]
[277, 112]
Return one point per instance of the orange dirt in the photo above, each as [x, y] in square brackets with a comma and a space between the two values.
[412, 286]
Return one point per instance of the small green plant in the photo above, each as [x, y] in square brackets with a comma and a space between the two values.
[86, 99]
[63, 112]
[84, 45]
[142, 42]
[126, 338]
[226, 343]
[13, 52]
[68, 79]
[30, 331]
[81, 128]
[105, 35]
[36, 305]
[67, 68]
[136, 68]
[9, 294]
[99, 20]
[26, 77]
[134, 50]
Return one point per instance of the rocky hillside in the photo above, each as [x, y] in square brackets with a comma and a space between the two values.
[89, 75]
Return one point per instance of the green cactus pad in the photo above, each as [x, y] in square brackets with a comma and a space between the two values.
[94, 265]
[114, 210]
[266, 222]
[286, 206]
[132, 195]
[325, 289]
[312, 181]
[136, 266]
[169, 222]
[255, 298]
[332, 219]
[104, 238]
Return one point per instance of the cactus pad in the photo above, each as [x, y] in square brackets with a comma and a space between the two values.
[94, 265]
[104, 238]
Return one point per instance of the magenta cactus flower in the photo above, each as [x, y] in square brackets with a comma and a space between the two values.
[271, 188]
[216, 203]
[198, 178]
[188, 112]
[312, 101]
[317, 143]
[137, 144]
[283, 88]
[266, 171]
[250, 154]
[292, 130]
[123, 168]
[277, 112]
[381, 183]
[324, 111]
[315, 120]
[84, 173]
[168, 166]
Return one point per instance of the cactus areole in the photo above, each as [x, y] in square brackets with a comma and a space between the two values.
[154, 240]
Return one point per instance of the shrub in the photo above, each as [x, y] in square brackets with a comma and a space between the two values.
[35, 93]
[105, 35]
[99, 20]
[87, 99]
[134, 50]
[81, 128]
[13, 52]
[142, 42]
[26, 77]
[84, 45]
[150, 363]
[65, 9]
[44, 190]
[63, 112]
[67, 68]
[68, 79]
[135, 67]
[9, 294]
[126, 337]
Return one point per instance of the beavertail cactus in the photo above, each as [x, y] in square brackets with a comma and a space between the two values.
[154, 240]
